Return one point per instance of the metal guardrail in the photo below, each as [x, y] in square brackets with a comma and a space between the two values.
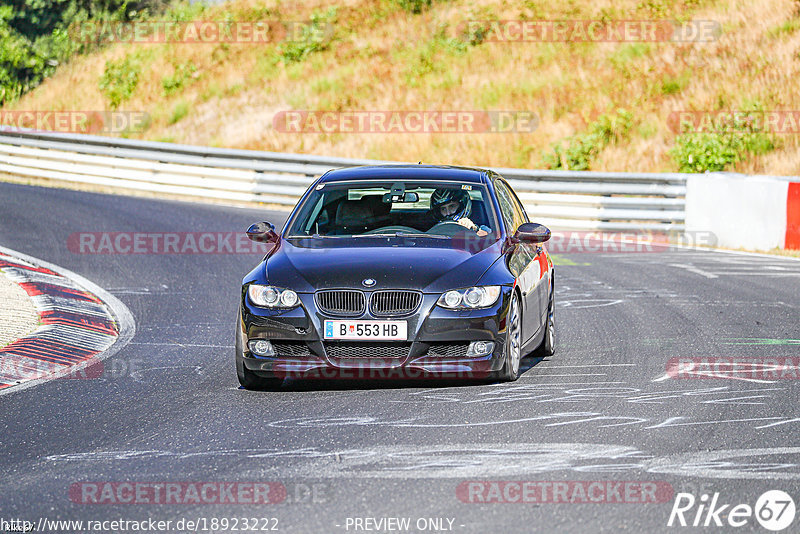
[612, 201]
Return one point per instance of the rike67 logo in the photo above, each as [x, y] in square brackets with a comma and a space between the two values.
[774, 510]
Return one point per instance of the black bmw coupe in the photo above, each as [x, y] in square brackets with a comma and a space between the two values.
[398, 271]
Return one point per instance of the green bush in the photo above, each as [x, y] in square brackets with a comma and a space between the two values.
[315, 39]
[172, 83]
[475, 35]
[701, 152]
[414, 6]
[578, 151]
[180, 111]
[119, 79]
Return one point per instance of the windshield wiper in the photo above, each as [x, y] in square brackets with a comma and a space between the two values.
[403, 234]
[422, 234]
[314, 236]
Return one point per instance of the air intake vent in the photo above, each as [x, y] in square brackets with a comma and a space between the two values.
[448, 350]
[347, 350]
[291, 348]
[393, 303]
[341, 302]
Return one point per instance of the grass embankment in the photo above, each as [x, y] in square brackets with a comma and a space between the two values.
[601, 106]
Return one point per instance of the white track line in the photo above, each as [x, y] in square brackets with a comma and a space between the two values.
[592, 365]
[706, 376]
[537, 375]
[735, 252]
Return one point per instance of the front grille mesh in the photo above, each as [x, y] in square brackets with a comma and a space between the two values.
[448, 350]
[341, 302]
[388, 303]
[346, 350]
[291, 348]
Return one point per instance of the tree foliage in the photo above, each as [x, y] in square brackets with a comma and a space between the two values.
[35, 35]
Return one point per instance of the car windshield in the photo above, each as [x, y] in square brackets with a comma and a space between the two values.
[425, 209]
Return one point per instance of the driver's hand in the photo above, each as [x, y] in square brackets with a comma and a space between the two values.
[466, 223]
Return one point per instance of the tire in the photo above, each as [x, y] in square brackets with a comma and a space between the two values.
[513, 344]
[548, 344]
[247, 378]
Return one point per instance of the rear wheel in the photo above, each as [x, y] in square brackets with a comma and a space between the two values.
[513, 345]
[247, 378]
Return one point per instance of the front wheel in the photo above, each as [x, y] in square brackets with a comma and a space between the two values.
[513, 345]
[548, 345]
[249, 380]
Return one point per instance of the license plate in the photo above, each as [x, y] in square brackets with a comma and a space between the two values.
[396, 330]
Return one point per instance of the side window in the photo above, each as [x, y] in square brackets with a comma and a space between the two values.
[505, 206]
[519, 208]
[512, 215]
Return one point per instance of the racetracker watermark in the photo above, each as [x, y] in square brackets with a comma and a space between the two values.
[570, 491]
[734, 368]
[568, 242]
[430, 122]
[23, 369]
[564, 31]
[164, 243]
[177, 493]
[200, 32]
[211, 492]
[84, 122]
[597, 242]
[381, 369]
[194, 524]
[560, 242]
[773, 122]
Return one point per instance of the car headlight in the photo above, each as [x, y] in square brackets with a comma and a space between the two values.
[272, 297]
[472, 297]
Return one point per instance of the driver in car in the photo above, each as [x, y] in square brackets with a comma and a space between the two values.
[455, 205]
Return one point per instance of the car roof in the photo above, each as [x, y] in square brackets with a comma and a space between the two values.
[406, 172]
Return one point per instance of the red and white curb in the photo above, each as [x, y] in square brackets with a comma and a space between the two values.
[80, 324]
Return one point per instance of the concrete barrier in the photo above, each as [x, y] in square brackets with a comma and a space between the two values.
[751, 212]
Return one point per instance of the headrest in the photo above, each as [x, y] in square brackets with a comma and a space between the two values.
[353, 213]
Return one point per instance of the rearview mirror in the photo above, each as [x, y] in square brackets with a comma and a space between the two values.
[263, 232]
[407, 197]
[532, 233]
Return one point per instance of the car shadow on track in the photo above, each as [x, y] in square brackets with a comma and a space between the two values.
[379, 383]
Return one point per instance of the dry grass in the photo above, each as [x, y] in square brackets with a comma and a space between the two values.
[384, 58]
[784, 252]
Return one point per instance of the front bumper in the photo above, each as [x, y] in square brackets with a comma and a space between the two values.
[436, 345]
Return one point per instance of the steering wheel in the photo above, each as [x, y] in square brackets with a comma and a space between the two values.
[448, 228]
[390, 229]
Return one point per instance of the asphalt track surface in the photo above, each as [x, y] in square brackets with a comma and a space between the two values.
[601, 409]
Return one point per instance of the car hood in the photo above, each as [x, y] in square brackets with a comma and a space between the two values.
[429, 265]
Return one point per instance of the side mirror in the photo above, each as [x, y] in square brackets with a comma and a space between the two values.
[263, 232]
[532, 233]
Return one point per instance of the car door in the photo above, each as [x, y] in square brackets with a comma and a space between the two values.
[521, 261]
[540, 258]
